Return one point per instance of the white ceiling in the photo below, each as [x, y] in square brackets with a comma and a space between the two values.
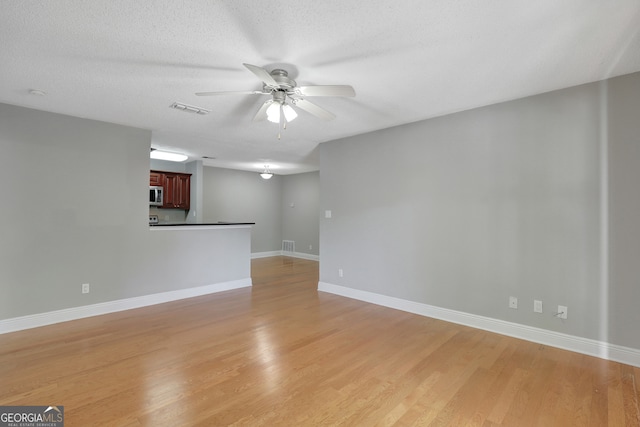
[125, 62]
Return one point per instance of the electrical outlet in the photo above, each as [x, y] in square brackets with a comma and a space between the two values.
[340, 272]
[513, 302]
[310, 247]
[86, 288]
[562, 312]
[537, 306]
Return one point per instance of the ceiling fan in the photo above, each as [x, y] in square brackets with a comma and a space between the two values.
[285, 92]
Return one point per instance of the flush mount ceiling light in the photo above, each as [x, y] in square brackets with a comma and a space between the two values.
[267, 173]
[166, 155]
[37, 92]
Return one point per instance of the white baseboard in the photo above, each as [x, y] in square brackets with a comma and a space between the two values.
[603, 350]
[301, 255]
[51, 317]
[265, 254]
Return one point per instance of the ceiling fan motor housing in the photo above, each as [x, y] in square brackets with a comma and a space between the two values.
[279, 96]
[282, 78]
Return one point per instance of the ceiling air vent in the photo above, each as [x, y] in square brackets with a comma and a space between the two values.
[189, 108]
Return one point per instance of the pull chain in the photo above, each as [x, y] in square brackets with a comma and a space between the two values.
[280, 123]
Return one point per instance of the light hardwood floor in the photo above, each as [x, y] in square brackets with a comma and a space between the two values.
[283, 354]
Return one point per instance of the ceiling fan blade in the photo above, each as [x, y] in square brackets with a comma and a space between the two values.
[312, 108]
[246, 92]
[329, 90]
[262, 112]
[262, 74]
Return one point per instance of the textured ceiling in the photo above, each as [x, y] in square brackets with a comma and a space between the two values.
[125, 62]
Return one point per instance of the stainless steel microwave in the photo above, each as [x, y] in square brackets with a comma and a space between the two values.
[155, 196]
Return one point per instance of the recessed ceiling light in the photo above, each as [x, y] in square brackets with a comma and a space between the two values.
[165, 155]
[37, 92]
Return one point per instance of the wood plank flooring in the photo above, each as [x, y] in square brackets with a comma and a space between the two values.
[283, 354]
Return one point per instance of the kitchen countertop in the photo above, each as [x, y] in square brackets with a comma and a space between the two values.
[183, 224]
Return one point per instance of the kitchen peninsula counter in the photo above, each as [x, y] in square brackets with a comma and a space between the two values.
[198, 258]
[184, 224]
[200, 226]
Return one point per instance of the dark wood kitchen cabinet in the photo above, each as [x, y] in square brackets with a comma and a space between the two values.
[177, 189]
[156, 179]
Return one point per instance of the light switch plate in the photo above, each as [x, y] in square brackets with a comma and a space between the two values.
[537, 306]
[562, 311]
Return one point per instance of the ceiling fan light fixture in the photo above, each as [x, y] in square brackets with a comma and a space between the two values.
[273, 113]
[278, 84]
[289, 113]
[276, 110]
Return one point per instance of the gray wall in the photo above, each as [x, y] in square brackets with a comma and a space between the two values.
[75, 211]
[465, 210]
[300, 211]
[623, 293]
[195, 168]
[239, 196]
[233, 195]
